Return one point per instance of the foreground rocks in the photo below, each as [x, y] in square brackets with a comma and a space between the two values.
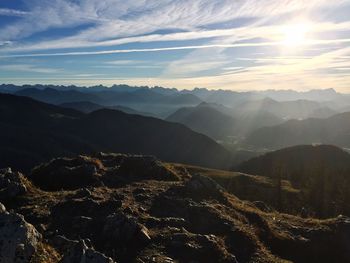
[11, 184]
[18, 239]
[138, 209]
[79, 251]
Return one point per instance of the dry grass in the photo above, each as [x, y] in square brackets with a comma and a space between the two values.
[45, 254]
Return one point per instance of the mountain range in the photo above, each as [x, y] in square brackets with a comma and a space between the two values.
[88, 107]
[333, 130]
[140, 99]
[33, 131]
[223, 123]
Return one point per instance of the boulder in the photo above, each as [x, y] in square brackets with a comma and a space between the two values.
[82, 252]
[200, 187]
[11, 184]
[203, 183]
[82, 217]
[18, 239]
[123, 229]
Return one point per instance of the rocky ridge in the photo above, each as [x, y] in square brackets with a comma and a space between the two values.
[124, 208]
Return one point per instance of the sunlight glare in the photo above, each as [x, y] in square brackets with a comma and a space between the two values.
[295, 35]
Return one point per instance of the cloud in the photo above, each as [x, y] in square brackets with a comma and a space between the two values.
[110, 19]
[211, 33]
[28, 68]
[190, 47]
[117, 51]
[12, 12]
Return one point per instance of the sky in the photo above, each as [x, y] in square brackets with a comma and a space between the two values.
[226, 44]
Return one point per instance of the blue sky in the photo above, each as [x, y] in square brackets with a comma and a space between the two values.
[226, 44]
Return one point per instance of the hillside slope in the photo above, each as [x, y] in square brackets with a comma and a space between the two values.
[261, 190]
[321, 172]
[333, 130]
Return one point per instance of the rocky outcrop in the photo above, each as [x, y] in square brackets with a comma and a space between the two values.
[112, 170]
[82, 251]
[18, 239]
[131, 168]
[145, 168]
[11, 184]
[162, 214]
[65, 173]
[202, 186]
[124, 229]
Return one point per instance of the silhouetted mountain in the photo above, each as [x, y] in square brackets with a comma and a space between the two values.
[87, 107]
[141, 99]
[25, 111]
[205, 119]
[334, 130]
[54, 96]
[224, 97]
[251, 121]
[321, 172]
[32, 131]
[298, 109]
[219, 122]
[315, 95]
[324, 112]
[127, 95]
[83, 106]
[9, 88]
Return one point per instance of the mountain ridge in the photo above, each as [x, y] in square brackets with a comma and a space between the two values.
[55, 134]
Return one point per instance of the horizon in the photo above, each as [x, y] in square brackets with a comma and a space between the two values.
[170, 88]
[242, 46]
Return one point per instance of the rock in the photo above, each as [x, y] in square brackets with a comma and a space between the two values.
[133, 168]
[11, 184]
[2, 208]
[81, 252]
[67, 174]
[124, 229]
[111, 159]
[263, 206]
[342, 239]
[83, 192]
[199, 248]
[200, 185]
[18, 239]
[82, 222]
[82, 217]
[62, 243]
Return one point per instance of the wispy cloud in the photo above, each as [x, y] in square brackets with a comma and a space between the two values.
[124, 19]
[116, 51]
[12, 12]
[190, 47]
[206, 42]
[28, 68]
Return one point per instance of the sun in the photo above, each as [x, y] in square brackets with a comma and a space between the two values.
[295, 35]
